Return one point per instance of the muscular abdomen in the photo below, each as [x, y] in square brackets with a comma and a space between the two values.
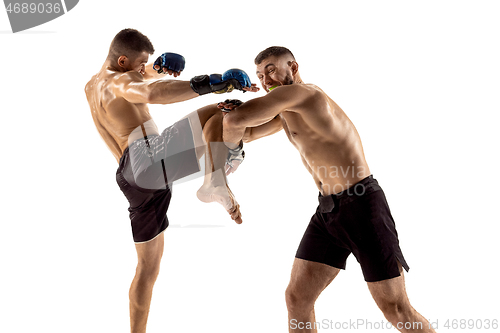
[328, 142]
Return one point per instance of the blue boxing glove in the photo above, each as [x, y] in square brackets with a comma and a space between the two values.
[216, 83]
[240, 76]
[170, 61]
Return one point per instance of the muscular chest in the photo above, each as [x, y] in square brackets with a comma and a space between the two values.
[293, 126]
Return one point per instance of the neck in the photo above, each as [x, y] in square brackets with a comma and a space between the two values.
[110, 64]
[297, 79]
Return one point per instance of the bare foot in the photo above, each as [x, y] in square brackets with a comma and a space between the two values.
[222, 195]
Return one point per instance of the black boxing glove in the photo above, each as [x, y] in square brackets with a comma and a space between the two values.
[236, 102]
[216, 83]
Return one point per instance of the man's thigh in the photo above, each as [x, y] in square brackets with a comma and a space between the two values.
[198, 120]
[390, 291]
[200, 117]
[309, 278]
[149, 253]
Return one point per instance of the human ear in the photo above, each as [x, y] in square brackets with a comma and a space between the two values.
[123, 61]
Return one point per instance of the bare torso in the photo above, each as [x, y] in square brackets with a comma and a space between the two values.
[116, 119]
[326, 139]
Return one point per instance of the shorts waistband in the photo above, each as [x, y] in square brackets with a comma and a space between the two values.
[136, 142]
[144, 141]
[327, 203]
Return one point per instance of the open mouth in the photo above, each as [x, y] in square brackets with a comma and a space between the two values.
[272, 88]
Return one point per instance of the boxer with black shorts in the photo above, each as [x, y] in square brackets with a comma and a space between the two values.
[358, 221]
[146, 171]
[150, 161]
[353, 215]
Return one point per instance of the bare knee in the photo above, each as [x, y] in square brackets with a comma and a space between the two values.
[397, 312]
[298, 301]
[147, 272]
[209, 112]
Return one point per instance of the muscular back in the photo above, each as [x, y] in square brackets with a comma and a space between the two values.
[114, 117]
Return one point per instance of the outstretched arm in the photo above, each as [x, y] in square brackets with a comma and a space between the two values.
[259, 111]
[132, 87]
[252, 133]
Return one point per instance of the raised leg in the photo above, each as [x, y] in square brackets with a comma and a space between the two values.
[390, 296]
[148, 267]
[307, 281]
[207, 131]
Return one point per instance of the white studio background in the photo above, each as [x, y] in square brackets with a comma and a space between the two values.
[420, 81]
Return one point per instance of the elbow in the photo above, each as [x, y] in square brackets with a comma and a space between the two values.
[233, 128]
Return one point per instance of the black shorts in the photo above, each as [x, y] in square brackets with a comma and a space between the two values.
[147, 169]
[357, 220]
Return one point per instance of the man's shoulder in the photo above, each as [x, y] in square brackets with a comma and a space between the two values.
[304, 93]
[103, 77]
[115, 83]
[313, 89]
[303, 89]
[90, 85]
[128, 76]
[108, 79]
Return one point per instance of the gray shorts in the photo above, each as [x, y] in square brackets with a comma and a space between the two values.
[147, 169]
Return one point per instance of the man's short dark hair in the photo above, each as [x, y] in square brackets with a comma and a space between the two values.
[272, 51]
[129, 42]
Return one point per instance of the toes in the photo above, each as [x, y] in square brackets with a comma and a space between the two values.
[236, 214]
[238, 219]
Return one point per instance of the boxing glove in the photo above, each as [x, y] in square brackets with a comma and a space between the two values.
[171, 61]
[216, 83]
